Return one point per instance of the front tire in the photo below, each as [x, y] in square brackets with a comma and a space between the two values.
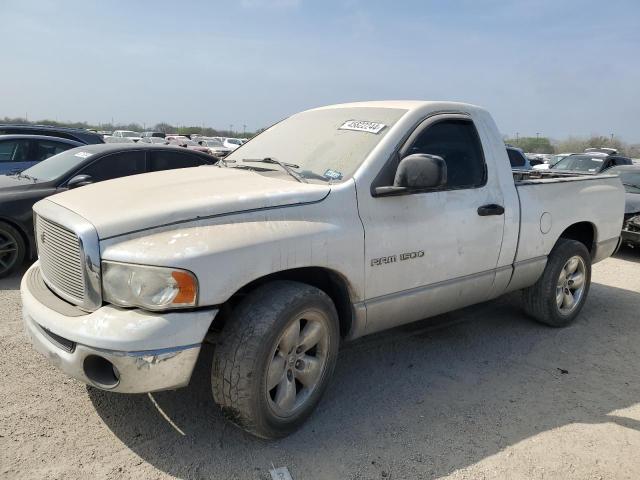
[275, 357]
[12, 250]
[561, 291]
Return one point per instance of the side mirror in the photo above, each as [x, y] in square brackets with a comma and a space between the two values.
[79, 181]
[419, 171]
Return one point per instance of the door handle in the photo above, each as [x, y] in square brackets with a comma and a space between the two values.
[491, 209]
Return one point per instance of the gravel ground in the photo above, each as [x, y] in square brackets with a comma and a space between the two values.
[482, 393]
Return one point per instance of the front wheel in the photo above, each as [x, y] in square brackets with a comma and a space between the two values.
[12, 249]
[560, 293]
[275, 357]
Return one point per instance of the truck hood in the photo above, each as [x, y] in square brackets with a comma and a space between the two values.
[141, 202]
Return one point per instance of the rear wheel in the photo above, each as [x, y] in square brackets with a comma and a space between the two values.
[12, 249]
[275, 357]
[560, 293]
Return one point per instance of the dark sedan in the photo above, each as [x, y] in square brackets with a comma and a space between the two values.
[78, 134]
[590, 163]
[630, 177]
[18, 152]
[71, 169]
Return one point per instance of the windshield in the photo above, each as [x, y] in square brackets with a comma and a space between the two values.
[629, 178]
[127, 133]
[582, 163]
[58, 165]
[213, 143]
[326, 144]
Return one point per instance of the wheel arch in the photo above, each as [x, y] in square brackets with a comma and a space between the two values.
[335, 285]
[26, 238]
[583, 232]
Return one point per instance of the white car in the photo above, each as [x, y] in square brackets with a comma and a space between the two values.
[232, 143]
[334, 223]
[129, 134]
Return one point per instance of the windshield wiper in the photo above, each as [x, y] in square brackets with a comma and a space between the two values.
[287, 167]
[224, 163]
[24, 175]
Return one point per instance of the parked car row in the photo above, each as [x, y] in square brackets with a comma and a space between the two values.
[216, 146]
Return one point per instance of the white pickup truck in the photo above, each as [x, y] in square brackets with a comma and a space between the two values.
[334, 223]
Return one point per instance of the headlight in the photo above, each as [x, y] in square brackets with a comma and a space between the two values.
[151, 288]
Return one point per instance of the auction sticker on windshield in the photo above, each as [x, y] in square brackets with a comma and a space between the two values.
[362, 126]
[83, 154]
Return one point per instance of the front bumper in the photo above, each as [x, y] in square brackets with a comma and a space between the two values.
[122, 350]
[630, 237]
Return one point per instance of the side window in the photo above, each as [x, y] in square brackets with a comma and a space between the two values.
[6, 150]
[167, 160]
[14, 151]
[457, 142]
[515, 158]
[42, 149]
[115, 166]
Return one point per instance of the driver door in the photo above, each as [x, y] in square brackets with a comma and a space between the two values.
[429, 252]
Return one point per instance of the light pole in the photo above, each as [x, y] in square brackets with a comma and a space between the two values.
[244, 130]
[231, 128]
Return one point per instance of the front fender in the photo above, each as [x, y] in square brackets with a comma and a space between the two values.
[227, 253]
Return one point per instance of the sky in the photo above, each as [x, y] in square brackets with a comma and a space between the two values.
[554, 67]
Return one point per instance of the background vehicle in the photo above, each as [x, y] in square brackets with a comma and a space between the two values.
[77, 134]
[73, 168]
[232, 143]
[517, 158]
[552, 161]
[131, 135]
[152, 134]
[590, 163]
[18, 152]
[187, 143]
[332, 224]
[630, 177]
[215, 146]
[155, 140]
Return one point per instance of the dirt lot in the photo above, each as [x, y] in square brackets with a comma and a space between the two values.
[482, 393]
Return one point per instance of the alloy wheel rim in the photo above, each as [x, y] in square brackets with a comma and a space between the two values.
[8, 251]
[571, 284]
[297, 364]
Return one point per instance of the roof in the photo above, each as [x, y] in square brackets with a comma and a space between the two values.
[78, 134]
[122, 147]
[402, 104]
[40, 137]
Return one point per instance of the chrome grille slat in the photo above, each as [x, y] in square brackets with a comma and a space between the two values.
[60, 259]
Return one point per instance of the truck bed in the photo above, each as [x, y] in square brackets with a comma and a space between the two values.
[528, 177]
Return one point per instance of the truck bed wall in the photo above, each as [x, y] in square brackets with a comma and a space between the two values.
[549, 206]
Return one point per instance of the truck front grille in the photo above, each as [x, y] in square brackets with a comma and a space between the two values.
[60, 259]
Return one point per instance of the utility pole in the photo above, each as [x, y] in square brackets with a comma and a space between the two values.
[244, 130]
[517, 137]
[612, 139]
[231, 128]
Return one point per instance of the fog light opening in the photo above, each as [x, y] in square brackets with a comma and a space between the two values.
[101, 372]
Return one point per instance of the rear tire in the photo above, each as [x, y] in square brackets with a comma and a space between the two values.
[12, 249]
[275, 357]
[561, 291]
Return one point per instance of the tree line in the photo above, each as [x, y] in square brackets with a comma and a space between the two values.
[136, 127]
